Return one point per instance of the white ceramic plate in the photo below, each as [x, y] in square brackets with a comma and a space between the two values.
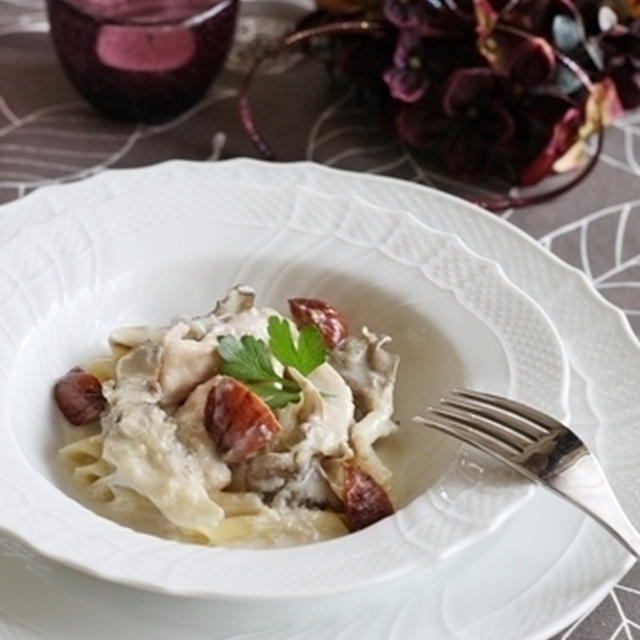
[545, 566]
[147, 256]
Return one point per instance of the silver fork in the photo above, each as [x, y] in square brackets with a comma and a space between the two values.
[539, 447]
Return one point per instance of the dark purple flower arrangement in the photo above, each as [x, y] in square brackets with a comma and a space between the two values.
[500, 89]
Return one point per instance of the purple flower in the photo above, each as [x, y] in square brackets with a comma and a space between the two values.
[405, 14]
[468, 126]
[407, 79]
[532, 63]
[526, 59]
[431, 18]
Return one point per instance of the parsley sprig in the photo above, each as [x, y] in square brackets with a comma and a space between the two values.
[249, 360]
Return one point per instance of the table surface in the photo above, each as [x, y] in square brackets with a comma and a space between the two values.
[48, 135]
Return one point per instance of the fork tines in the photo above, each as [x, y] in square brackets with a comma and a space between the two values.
[540, 448]
[494, 423]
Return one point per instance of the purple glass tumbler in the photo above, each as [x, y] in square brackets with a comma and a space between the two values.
[142, 60]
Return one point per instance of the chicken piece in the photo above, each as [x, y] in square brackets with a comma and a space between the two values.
[191, 432]
[326, 415]
[189, 416]
[141, 362]
[141, 443]
[185, 363]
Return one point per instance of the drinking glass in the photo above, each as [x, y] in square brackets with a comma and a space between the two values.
[142, 60]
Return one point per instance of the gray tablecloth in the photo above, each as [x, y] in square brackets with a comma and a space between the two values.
[48, 135]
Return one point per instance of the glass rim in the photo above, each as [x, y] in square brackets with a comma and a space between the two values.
[216, 6]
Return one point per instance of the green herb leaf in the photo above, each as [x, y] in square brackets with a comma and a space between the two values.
[310, 352]
[281, 341]
[246, 359]
[275, 396]
[249, 360]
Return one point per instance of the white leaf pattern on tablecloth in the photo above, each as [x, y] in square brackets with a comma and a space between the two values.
[97, 143]
[23, 16]
[615, 272]
[622, 144]
[26, 4]
[346, 136]
[34, 23]
[623, 619]
[7, 117]
[26, 163]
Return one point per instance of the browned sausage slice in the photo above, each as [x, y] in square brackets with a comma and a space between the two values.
[365, 500]
[239, 422]
[79, 396]
[325, 317]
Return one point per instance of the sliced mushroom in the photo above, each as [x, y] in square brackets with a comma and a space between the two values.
[308, 488]
[368, 369]
[185, 363]
[238, 299]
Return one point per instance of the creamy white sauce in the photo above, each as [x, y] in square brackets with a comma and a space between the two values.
[326, 428]
[142, 444]
[156, 440]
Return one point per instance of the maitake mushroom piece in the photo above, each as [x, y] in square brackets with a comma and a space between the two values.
[368, 369]
[239, 299]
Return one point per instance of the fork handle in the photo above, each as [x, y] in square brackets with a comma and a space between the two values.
[586, 486]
